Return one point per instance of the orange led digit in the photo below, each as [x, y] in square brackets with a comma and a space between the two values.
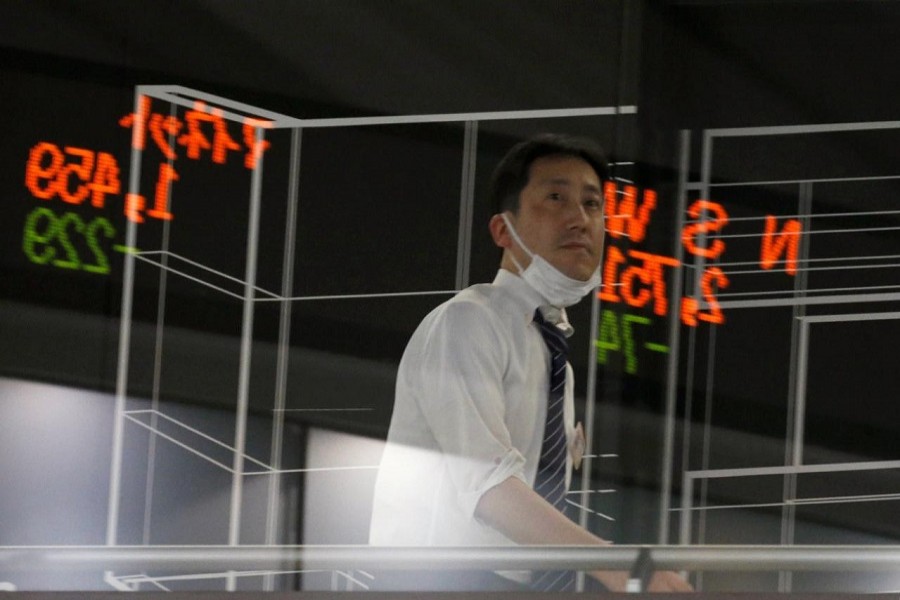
[134, 206]
[81, 168]
[653, 264]
[138, 123]
[160, 208]
[643, 295]
[194, 140]
[713, 279]
[163, 129]
[637, 227]
[772, 249]
[614, 257]
[256, 148]
[222, 142]
[106, 179]
[36, 173]
[692, 230]
[624, 215]
[712, 276]
[689, 308]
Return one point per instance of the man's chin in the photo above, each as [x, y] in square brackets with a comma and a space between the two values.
[579, 272]
[578, 275]
[575, 267]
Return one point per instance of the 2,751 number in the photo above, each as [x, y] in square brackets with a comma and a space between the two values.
[51, 239]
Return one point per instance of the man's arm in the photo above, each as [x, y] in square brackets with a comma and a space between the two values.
[522, 515]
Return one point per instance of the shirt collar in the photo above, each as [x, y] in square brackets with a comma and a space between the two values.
[558, 317]
[525, 300]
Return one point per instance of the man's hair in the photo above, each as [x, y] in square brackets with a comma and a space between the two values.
[511, 174]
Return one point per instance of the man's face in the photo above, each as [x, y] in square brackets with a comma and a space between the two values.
[561, 216]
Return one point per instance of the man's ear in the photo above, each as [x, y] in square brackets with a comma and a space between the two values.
[499, 231]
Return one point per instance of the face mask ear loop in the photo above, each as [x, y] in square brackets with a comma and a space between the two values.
[515, 262]
[517, 240]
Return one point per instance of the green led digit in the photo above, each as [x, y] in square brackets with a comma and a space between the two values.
[608, 340]
[32, 236]
[101, 265]
[630, 356]
[71, 261]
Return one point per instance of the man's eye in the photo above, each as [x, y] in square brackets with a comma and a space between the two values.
[554, 196]
[593, 204]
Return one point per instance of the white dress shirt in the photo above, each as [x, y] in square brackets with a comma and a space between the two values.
[469, 412]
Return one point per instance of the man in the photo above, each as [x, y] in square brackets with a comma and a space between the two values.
[484, 376]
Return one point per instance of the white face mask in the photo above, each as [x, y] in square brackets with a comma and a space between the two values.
[557, 288]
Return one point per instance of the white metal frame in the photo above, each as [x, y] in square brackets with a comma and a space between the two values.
[247, 290]
[800, 297]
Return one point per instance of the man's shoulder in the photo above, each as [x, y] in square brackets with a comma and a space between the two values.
[475, 311]
[480, 293]
[468, 327]
[482, 300]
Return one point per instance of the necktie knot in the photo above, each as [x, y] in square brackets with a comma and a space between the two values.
[553, 336]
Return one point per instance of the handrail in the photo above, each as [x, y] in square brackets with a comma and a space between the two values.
[622, 557]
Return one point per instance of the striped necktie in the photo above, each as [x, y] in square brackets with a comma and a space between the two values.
[550, 481]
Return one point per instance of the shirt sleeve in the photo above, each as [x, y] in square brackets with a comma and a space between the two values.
[462, 361]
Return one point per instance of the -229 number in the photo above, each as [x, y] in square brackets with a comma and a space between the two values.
[48, 239]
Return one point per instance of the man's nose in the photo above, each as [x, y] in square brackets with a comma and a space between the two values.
[576, 215]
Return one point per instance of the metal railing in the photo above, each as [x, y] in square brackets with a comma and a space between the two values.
[623, 557]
